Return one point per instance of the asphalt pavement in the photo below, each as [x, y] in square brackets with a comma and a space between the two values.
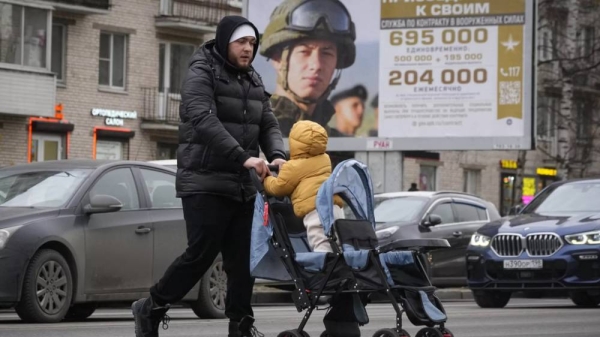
[527, 318]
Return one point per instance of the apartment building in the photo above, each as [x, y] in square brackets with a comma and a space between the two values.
[97, 78]
[101, 79]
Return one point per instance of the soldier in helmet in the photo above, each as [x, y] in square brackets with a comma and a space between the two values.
[307, 41]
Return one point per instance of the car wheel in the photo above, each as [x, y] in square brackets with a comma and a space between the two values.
[47, 289]
[212, 293]
[585, 300]
[491, 299]
[80, 312]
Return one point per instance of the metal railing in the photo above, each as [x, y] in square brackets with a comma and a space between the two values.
[208, 12]
[161, 105]
[97, 4]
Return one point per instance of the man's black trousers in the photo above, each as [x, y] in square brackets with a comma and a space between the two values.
[214, 224]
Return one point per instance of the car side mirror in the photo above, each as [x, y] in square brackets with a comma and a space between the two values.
[516, 210]
[103, 204]
[432, 220]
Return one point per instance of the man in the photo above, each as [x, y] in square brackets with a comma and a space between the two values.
[305, 51]
[225, 116]
[349, 109]
[413, 187]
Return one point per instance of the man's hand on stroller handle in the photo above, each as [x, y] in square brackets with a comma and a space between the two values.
[259, 167]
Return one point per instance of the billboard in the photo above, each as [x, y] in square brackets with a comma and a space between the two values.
[401, 74]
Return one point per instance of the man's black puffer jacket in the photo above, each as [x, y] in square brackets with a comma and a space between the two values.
[225, 115]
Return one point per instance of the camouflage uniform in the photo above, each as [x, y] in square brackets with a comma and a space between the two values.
[280, 36]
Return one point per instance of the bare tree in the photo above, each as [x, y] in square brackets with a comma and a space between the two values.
[568, 67]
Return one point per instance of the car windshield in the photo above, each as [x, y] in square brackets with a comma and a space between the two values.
[50, 189]
[567, 198]
[398, 209]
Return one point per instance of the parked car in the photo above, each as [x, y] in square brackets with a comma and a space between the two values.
[78, 233]
[552, 246]
[453, 216]
[217, 269]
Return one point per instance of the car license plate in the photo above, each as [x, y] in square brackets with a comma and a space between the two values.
[523, 264]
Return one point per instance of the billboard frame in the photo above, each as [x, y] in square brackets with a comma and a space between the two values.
[525, 142]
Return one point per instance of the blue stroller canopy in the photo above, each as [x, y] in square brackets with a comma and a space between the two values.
[351, 181]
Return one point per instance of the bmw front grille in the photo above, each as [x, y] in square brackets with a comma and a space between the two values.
[539, 245]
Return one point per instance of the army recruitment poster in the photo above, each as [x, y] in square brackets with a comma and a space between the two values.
[401, 74]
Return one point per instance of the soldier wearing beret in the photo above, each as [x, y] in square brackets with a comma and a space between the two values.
[349, 109]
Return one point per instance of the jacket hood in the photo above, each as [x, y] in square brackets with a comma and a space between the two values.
[307, 139]
[225, 29]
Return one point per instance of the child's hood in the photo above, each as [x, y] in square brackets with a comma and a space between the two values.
[307, 139]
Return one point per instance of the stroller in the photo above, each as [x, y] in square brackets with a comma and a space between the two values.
[358, 266]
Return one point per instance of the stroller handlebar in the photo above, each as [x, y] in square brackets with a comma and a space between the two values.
[255, 179]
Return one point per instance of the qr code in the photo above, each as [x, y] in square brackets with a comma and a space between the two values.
[510, 92]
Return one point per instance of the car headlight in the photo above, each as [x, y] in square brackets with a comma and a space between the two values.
[590, 238]
[5, 233]
[386, 232]
[480, 240]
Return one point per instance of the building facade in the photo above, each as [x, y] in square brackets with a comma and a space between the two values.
[97, 78]
[101, 79]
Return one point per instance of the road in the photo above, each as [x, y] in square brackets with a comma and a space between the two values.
[530, 318]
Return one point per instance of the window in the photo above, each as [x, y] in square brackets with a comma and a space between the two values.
[444, 211]
[428, 178]
[585, 41]
[161, 188]
[546, 116]
[166, 151]
[173, 65]
[35, 188]
[118, 183]
[45, 147]
[398, 209]
[466, 213]
[109, 150]
[582, 120]
[59, 39]
[23, 33]
[113, 60]
[472, 182]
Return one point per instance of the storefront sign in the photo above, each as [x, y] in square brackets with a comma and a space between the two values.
[379, 145]
[509, 164]
[528, 189]
[114, 117]
[550, 172]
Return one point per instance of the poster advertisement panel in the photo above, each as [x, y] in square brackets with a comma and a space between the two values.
[401, 74]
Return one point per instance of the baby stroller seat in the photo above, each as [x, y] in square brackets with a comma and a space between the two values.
[357, 267]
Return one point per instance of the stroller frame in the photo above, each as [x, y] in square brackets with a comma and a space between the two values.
[305, 299]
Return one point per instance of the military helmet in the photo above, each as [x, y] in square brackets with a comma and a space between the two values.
[329, 20]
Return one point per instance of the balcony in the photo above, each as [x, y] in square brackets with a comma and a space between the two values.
[81, 6]
[160, 109]
[199, 16]
[17, 87]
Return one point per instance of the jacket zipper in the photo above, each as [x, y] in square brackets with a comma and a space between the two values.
[244, 127]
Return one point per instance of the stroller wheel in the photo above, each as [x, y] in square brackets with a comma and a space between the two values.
[293, 333]
[446, 332]
[430, 332]
[391, 333]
